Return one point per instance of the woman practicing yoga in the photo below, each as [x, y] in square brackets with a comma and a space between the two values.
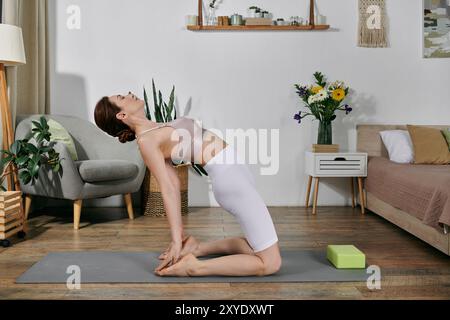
[257, 254]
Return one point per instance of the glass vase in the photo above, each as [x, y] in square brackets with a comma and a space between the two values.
[211, 19]
[325, 135]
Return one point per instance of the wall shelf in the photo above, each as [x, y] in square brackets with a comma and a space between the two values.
[310, 27]
[258, 28]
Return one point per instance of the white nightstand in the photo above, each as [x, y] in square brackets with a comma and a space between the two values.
[333, 165]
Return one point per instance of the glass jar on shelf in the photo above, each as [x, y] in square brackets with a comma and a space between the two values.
[211, 18]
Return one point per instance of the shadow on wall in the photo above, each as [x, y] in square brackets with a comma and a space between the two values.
[345, 126]
[68, 92]
[187, 109]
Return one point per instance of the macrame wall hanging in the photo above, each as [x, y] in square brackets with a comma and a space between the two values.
[372, 24]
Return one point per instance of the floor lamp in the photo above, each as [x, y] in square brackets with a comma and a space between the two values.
[12, 53]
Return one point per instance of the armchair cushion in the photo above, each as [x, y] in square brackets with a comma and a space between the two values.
[60, 134]
[106, 170]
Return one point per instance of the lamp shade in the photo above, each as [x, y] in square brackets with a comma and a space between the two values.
[12, 52]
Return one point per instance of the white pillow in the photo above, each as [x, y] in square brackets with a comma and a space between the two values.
[399, 145]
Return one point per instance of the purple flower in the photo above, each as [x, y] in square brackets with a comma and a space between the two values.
[302, 91]
[298, 117]
[347, 109]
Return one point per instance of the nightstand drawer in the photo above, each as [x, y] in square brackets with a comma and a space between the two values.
[340, 165]
[336, 164]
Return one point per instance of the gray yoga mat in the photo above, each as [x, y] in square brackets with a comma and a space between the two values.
[137, 267]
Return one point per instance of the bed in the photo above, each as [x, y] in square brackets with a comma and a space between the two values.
[413, 197]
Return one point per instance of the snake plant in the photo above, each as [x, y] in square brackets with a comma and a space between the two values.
[164, 112]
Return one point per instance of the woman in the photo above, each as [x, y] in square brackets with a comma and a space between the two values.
[258, 253]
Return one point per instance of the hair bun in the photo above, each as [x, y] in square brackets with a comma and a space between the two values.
[126, 136]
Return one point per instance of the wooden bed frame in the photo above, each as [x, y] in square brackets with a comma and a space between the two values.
[369, 141]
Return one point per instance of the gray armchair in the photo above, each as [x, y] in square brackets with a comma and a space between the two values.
[104, 168]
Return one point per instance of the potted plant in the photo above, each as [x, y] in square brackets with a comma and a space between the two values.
[266, 14]
[322, 101]
[24, 158]
[151, 193]
[252, 11]
[165, 112]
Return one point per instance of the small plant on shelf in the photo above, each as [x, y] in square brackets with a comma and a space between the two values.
[213, 3]
[255, 12]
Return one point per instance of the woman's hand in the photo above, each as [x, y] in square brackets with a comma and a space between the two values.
[163, 255]
[172, 255]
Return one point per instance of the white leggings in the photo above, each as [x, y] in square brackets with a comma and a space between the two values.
[234, 188]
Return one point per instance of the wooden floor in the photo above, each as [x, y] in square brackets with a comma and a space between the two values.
[410, 268]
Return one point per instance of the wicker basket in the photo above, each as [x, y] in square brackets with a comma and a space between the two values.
[152, 200]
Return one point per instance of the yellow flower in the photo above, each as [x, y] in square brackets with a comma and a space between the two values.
[316, 89]
[338, 94]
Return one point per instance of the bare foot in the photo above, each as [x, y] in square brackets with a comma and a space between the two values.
[183, 268]
[190, 245]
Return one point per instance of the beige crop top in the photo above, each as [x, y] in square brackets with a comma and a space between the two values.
[187, 128]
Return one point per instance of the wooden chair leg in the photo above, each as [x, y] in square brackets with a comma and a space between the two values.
[352, 186]
[129, 205]
[316, 194]
[361, 194]
[27, 206]
[77, 204]
[308, 191]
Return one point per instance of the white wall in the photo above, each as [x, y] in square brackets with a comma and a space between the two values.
[245, 79]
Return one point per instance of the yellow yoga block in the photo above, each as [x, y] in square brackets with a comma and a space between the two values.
[346, 257]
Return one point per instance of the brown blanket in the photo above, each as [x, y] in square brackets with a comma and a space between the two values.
[420, 190]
